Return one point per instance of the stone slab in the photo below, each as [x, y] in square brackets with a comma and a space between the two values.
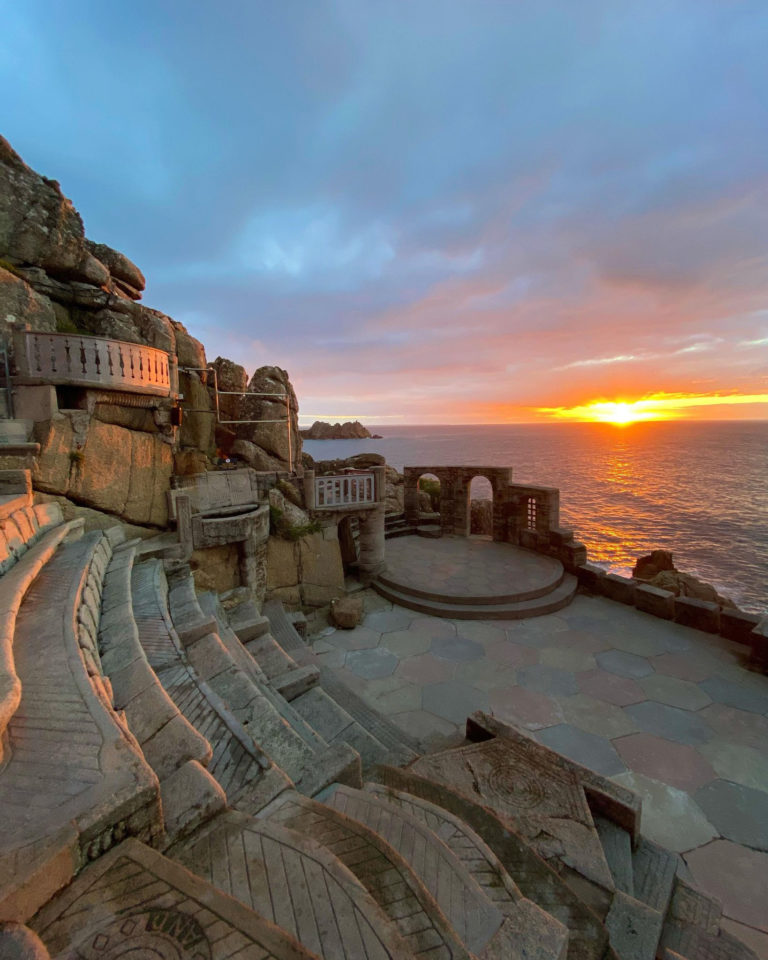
[135, 901]
[633, 927]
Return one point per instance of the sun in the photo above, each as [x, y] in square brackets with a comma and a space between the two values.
[620, 414]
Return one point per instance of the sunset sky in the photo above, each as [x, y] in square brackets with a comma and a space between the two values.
[426, 210]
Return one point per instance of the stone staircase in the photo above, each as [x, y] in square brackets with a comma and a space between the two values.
[182, 781]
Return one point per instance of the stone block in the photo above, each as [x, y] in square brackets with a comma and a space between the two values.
[173, 745]
[148, 712]
[190, 796]
[347, 612]
[653, 600]
[560, 536]
[209, 656]
[621, 589]
[737, 625]
[294, 683]
[572, 554]
[701, 614]
[758, 640]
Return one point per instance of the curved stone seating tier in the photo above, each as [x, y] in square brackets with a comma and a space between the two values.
[473, 579]
[296, 883]
[74, 781]
[135, 902]
[384, 873]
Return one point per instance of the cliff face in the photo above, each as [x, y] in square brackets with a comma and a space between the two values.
[110, 454]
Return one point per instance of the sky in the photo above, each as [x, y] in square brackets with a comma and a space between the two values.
[426, 210]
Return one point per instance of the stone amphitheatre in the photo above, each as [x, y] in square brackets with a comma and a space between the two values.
[251, 707]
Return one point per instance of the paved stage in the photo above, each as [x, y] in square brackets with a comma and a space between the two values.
[664, 709]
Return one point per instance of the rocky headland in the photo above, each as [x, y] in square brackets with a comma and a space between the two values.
[351, 430]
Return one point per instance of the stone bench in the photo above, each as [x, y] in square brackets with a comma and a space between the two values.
[74, 781]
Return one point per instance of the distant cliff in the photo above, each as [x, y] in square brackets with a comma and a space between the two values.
[351, 430]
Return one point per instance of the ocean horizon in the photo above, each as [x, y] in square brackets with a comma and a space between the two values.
[697, 488]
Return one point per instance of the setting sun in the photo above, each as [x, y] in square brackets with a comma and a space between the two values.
[657, 407]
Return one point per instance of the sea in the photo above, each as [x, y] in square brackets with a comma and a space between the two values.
[699, 489]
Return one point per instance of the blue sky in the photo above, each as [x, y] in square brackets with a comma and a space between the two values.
[423, 210]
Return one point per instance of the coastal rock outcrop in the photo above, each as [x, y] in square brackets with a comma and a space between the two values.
[659, 570]
[351, 430]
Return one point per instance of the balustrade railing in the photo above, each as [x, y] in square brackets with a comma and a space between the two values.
[80, 360]
[350, 489]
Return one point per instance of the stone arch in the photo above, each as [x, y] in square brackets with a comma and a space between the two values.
[480, 492]
[454, 496]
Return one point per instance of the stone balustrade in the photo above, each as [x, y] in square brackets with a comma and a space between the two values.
[85, 361]
[345, 490]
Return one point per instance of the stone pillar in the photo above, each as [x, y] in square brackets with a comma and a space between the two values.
[252, 556]
[379, 482]
[184, 524]
[411, 498]
[371, 543]
[461, 508]
[309, 489]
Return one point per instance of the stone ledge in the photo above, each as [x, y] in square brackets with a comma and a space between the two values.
[700, 614]
[653, 600]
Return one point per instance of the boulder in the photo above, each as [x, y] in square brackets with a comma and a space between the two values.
[647, 567]
[119, 266]
[230, 378]
[20, 303]
[685, 585]
[274, 438]
[293, 515]
[190, 352]
[346, 612]
[39, 225]
[198, 422]
[255, 457]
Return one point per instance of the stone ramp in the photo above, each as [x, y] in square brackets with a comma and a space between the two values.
[534, 931]
[135, 902]
[535, 878]
[74, 779]
[293, 882]
[379, 868]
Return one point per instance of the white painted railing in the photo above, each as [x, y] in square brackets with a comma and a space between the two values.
[350, 489]
[80, 360]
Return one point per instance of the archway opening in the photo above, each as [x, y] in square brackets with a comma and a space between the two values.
[480, 496]
[429, 496]
[348, 532]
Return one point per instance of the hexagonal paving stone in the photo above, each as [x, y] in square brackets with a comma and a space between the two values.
[736, 876]
[684, 666]
[597, 716]
[406, 643]
[385, 620]
[371, 664]
[643, 645]
[548, 680]
[392, 695]
[479, 631]
[432, 732]
[584, 621]
[740, 764]
[585, 640]
[670, 722]
[678, 765]
[511, 654]
[565, 658]
[425, 668]
[670, 816]
[739, 813]
[456, 648]
[453, 701]
[624, 664]
[360, 638]
[432, 626]
[594, 752]
[677, 693]
[733, 694]
[484, 674]
[610, 687]
[527, 708]
[740, 726]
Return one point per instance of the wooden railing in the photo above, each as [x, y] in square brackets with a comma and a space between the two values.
[79, 360]
[346, 490]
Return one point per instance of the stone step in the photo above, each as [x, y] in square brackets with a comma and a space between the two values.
[432, 531]
[474, 917]
[654, 870]
[380, 869]
[617, 847]
[209, 687]
[293, 882]
[552, 582]
[135, 902]
[376, 738]
[14, 432]
[536, 880]
[75, 777]
[560, 597]
[535, 932]
[692, 928]
[634, 928]
[242, 769]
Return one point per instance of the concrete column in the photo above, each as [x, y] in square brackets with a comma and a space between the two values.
[371, 543]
